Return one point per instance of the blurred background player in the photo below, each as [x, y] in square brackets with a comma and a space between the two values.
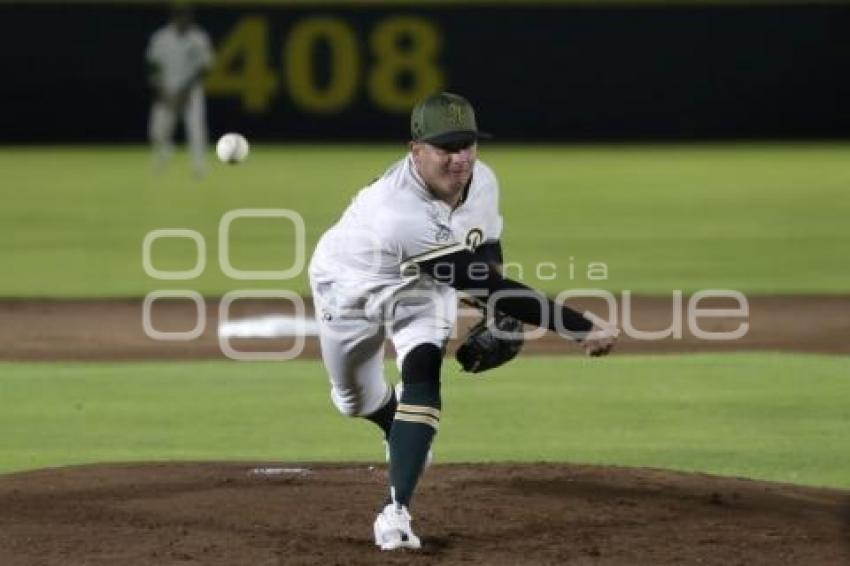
[178, 56]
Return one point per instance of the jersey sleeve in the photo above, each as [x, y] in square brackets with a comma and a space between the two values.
[491, 252]
[492, 215]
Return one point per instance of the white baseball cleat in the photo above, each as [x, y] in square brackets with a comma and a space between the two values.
[392, 529]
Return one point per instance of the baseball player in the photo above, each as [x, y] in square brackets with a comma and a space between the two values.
[391, 266]
[178, 55]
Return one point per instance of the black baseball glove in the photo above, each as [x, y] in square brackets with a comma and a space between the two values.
[489, 346]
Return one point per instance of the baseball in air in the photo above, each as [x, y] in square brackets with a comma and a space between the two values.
[232, 148]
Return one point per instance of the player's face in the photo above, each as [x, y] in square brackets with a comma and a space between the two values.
[445, 169]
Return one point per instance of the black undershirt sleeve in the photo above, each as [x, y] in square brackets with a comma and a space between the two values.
[479, 272]
[491, 252]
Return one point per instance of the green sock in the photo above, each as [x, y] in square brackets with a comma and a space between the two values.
[416, 420]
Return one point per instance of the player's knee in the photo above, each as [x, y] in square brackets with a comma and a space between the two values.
[356, 403]
[348, 410]
[347, 405]
[422, 364]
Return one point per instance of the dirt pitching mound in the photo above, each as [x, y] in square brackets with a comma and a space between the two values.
[472, 514]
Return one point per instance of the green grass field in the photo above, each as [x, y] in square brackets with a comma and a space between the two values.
[759, 218]
[768, 416]
[762, 218]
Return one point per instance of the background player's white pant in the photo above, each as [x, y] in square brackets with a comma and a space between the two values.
[163, 120]
[353, 348]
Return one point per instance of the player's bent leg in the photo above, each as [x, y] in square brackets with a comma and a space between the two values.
[353, 355]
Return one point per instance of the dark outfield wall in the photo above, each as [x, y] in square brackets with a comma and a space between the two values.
[571, 72]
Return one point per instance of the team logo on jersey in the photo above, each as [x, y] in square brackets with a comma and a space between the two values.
[443, 234]
[474, 238]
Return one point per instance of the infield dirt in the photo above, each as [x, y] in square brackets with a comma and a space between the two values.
[112, 329]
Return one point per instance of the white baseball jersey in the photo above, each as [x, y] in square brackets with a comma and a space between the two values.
[358, 264]
[179, 56]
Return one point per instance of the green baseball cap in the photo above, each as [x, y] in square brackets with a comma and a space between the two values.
[444, 118]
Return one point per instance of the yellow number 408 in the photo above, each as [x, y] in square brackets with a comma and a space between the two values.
[403, 47]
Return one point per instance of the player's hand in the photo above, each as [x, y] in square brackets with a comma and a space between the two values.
[601, 339]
